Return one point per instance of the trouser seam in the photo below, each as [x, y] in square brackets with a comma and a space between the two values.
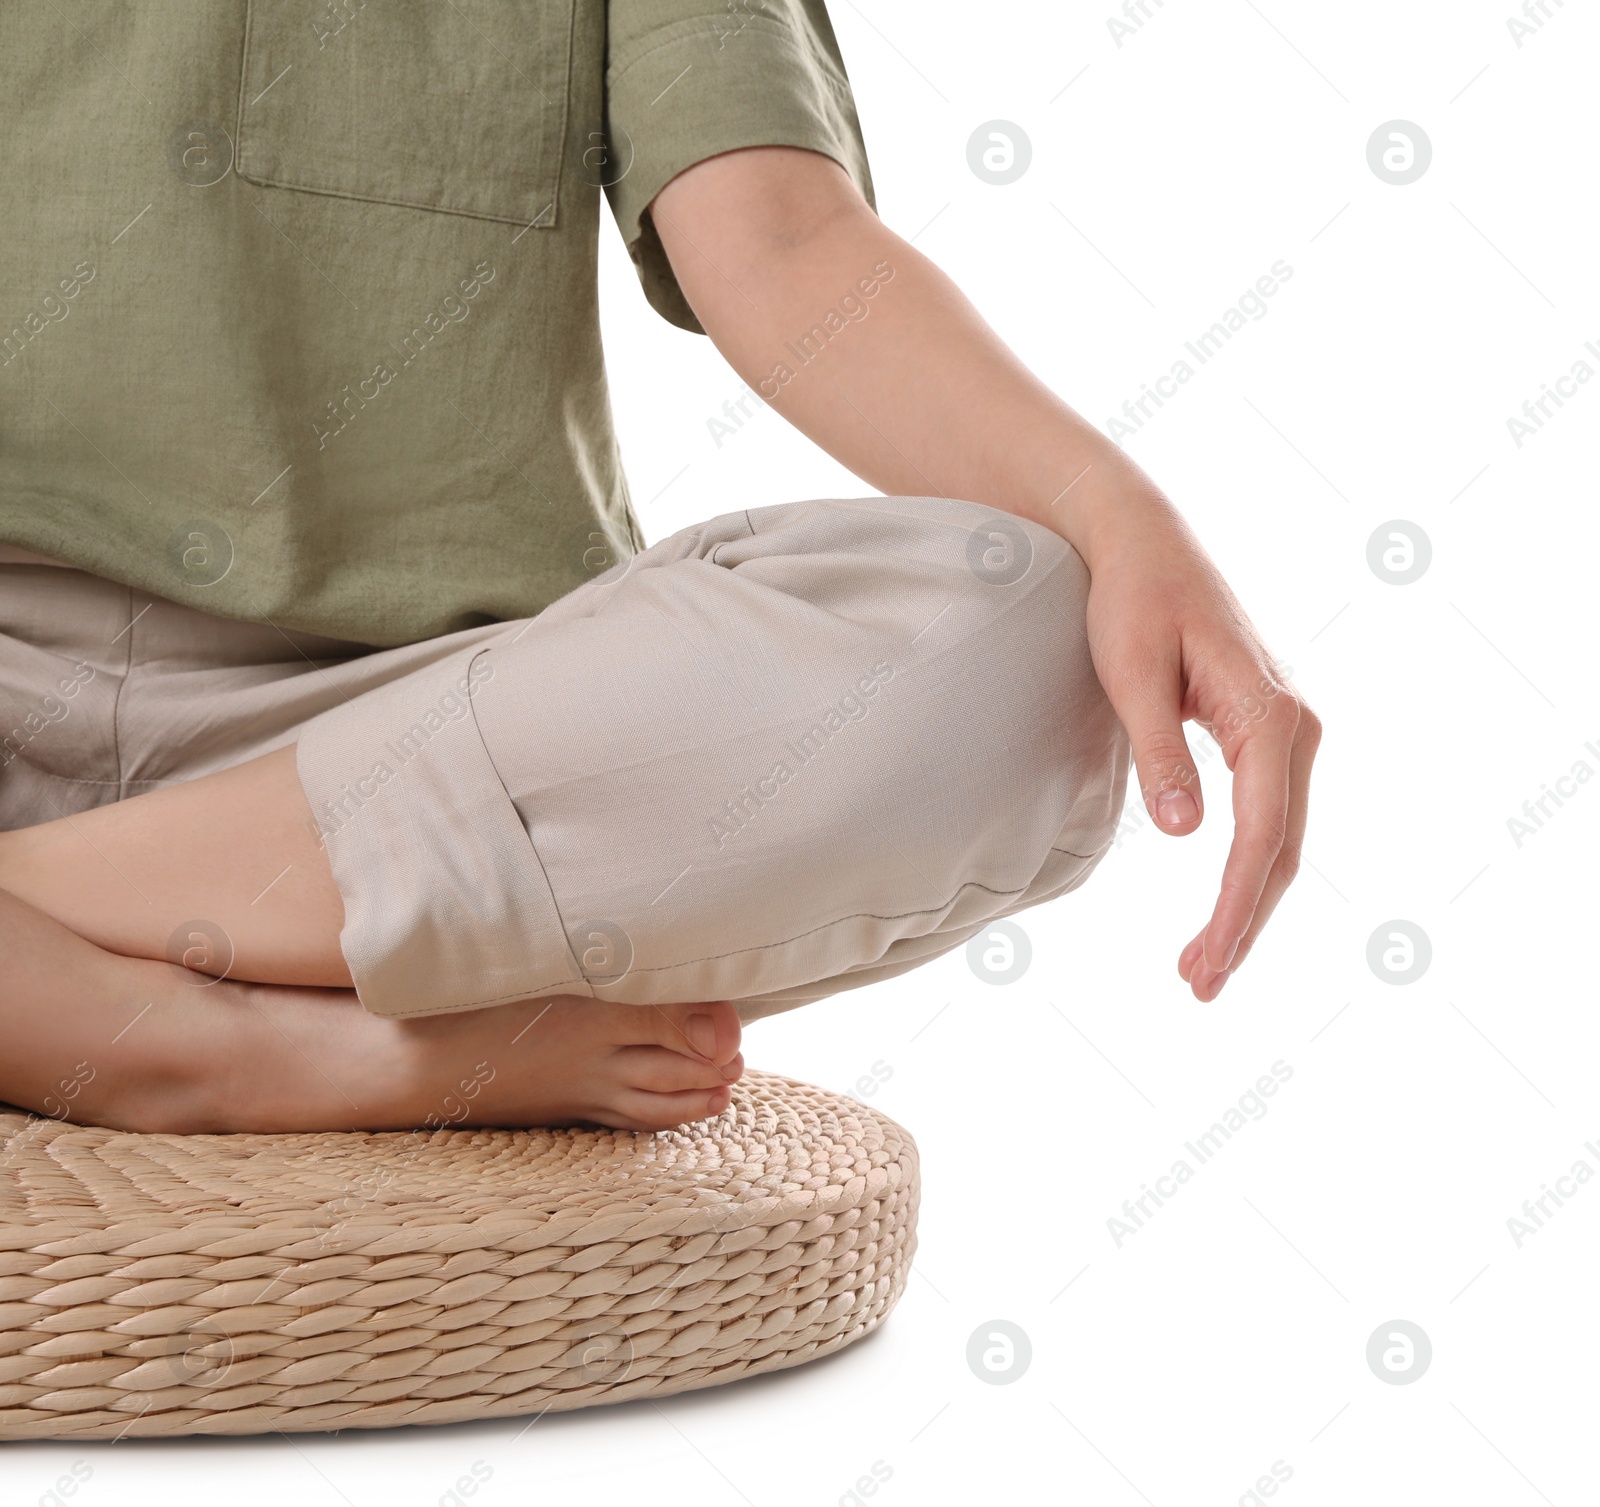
[862, 915]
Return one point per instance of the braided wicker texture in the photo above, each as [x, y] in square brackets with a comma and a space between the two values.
[235, 1284]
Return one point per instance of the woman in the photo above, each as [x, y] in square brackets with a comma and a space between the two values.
[334, 668]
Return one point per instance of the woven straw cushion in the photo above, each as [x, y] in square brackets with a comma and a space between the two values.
[232, 1284]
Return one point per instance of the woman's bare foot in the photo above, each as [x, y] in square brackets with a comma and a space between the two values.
[293, 1058]
[93, 1037]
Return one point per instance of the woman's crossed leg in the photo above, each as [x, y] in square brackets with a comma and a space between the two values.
[540, 872]
[100, 1027]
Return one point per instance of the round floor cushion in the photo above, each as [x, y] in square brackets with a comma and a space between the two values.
[235, 1284]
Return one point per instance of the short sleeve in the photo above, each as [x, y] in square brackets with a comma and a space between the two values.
[687, 79]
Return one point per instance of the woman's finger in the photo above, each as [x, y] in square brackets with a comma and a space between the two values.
[1150, 707]
[1259, 755]
[1308, 735]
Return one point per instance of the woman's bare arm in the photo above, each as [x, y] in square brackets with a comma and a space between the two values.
[868, 348]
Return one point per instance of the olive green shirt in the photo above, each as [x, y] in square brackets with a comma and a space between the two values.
[298, 302]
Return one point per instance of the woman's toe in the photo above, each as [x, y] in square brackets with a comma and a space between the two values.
[710, 1030]
[659, 1070]
[637, 1109]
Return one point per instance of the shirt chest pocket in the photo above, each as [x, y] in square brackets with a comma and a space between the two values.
[458, 106]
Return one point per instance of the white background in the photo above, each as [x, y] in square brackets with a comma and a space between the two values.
[1231, 1331]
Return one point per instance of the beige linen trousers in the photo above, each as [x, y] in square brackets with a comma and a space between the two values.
[784, 752]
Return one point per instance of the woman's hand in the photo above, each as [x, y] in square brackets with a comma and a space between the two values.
[1171, 644]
